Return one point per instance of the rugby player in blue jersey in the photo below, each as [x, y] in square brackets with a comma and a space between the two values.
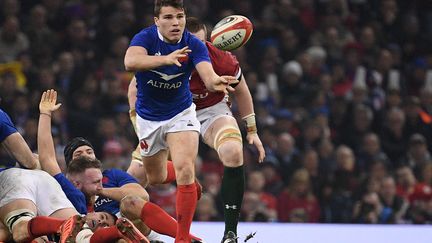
[163, 57]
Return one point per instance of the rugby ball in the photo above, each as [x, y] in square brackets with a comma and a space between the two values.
[231, 32]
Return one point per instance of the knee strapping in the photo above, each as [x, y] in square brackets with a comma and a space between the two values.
[17, 216]
[225, 134]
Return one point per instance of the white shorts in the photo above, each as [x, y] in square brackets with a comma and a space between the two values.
[34, 185]
[210, 114]
[152, 134]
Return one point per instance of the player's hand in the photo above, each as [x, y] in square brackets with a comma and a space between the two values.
[222, 84]
[48, 102]
[173, 57]
[254, 139]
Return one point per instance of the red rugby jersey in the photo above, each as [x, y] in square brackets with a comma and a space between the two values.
[224, 63]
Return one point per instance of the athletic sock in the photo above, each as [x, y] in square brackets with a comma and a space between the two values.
[106, 234]
[42, 225]
[171, 176]
[186, 202]
[158, 220]
[232, 190]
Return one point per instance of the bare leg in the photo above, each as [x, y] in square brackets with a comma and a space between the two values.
[19, 230]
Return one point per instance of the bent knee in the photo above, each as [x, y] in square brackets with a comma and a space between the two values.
[231, 154]
[131, 206]
[154, 179]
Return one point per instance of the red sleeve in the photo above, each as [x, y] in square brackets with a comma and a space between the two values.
[224, 62]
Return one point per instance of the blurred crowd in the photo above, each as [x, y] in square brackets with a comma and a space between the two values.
[342, 92]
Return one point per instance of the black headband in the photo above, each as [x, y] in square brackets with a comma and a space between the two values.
[73, 145]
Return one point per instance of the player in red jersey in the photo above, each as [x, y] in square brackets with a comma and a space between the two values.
[219, 129]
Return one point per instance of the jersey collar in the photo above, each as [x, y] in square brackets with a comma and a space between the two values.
[161, 37]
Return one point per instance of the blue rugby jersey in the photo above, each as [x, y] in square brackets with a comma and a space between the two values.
[74, 195]
[164, 92]
[112, 178]
[6, 126]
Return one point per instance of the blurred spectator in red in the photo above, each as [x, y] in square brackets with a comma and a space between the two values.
[256, 183]
[409, 188]
[254, 210]
[297, 203]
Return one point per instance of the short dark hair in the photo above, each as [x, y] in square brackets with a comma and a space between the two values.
[81, 164]
[158, 4]
[72, 146]
[194, 25]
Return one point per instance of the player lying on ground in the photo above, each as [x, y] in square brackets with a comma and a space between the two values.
[84, 179]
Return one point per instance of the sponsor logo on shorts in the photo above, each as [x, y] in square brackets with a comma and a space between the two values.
[190, 124]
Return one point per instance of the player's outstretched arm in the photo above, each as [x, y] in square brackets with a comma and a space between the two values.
[246, 109]
[47, 156]
[137, 59]
[212, 81]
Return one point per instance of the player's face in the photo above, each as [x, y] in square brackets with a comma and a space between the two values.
[91, 182]
[171, 23]
[99, 219]
[85, 151]
[200, 35]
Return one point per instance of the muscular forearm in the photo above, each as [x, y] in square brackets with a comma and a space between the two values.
[207, 74]
[45, 143]
[118, 193]
[144, 62]
[137, 59]
[244, 99]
